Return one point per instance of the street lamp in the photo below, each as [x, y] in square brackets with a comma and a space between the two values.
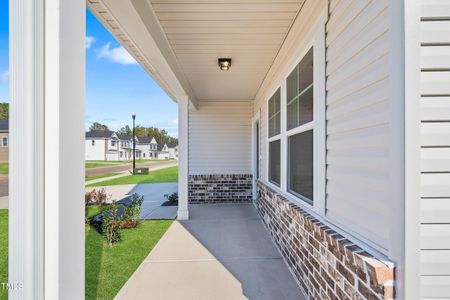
[133, 115]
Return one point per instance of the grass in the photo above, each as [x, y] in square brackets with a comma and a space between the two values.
[163, 175]
[4, 168]
[93, 210]
[100, 176]
[3, 251]
[108, 268]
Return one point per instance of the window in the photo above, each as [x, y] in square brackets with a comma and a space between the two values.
[300, 127]
[274, 114]
[113, 143]
[300, 165]
[274, 138]
[143, 155]
[275, 162]
[93, 142]
[5, 141]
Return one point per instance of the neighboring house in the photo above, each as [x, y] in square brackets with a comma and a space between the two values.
[4, 140]
[126, 147]
[173, 150]
[101, 145]
[110, 145]
[332, 118]
[148, 147]
[163, 151]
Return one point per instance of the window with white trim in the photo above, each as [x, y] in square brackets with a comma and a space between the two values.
[299, 129]
[5, 141]
[275, 138]
[296, 128]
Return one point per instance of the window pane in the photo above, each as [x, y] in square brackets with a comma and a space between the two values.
[274, 114]
[300, 93]
[291, 85]
[300, 164]
[274, 162]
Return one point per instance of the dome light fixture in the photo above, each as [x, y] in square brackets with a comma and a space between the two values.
[224, 63]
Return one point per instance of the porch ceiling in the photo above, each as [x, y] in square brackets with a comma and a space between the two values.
[249, 31]
[193, 34]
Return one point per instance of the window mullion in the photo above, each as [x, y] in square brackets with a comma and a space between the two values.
[283, 161]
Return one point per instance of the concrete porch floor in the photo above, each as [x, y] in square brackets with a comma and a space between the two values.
[222, 252]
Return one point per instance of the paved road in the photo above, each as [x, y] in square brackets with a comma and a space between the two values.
[125, 167]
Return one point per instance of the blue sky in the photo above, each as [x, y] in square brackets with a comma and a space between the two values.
[115, 84]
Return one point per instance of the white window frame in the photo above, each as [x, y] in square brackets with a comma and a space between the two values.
[316, 40]
[275, 138]
[5, 138]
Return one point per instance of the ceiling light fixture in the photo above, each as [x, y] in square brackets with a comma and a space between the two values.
[224, 63]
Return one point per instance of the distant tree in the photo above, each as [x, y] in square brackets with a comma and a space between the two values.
[4, 111]
[160, 135]
[126, 130]
[98, 126]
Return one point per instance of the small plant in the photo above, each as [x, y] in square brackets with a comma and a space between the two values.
[133, 212]
[172, 199]
[112, 229]
[97, 197]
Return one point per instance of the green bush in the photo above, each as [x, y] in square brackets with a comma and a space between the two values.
[133, 212]
[112, 225]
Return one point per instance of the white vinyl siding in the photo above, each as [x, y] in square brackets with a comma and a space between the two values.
[358, 122]
[435, 150]
[220, 138]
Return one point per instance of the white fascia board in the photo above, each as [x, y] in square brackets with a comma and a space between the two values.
[136, 27]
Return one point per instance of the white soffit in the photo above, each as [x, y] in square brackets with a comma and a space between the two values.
[250, 32]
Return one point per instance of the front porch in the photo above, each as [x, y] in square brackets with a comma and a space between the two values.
[222, 252]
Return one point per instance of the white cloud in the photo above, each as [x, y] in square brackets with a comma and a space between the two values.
[4, 77]
[118, 55]
[89, 41]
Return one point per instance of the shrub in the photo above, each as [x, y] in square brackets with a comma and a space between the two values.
[173, 198]
[133, 211]
[97, 197]
[111, 224]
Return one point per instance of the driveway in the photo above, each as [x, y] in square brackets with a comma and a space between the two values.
[153, 198]
[223, 252]
[125, 167]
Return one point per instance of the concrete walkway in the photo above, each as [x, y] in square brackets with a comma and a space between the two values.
[223, 252]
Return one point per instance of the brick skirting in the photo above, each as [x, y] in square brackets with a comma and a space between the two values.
[223, 188]
[326, 265]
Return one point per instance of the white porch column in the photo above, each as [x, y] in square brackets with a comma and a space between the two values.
[46, 206]
[183, 158]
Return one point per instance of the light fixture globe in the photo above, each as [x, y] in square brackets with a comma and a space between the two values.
[224, 63]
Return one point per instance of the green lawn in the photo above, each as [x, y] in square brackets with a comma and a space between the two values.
[93, 210]
[4, 168]
[101, 176]
[3, 251]
[163, 175]
[107, 269]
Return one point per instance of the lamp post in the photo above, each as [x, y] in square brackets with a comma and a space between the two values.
[133, 115]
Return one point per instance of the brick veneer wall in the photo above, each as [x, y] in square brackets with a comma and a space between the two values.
[223, 188]
[326, 265]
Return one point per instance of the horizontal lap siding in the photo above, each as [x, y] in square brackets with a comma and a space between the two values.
[435, 151]
[220, 138]
[358, 110]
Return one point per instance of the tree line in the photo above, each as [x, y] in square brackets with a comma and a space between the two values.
[160, 135]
